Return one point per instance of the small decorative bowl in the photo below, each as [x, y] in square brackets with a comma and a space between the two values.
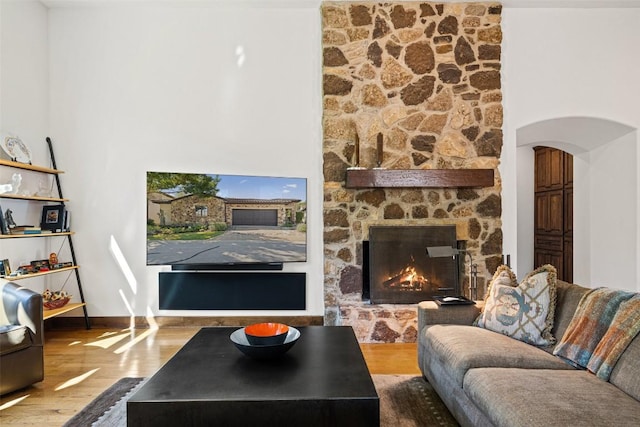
[56, 303]
[239, 339]
[266, 333]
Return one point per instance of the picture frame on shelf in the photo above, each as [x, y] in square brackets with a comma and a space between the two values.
[66, 225]
[5, 267]
[52, 218]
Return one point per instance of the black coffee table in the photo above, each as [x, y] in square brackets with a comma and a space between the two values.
[322, 381]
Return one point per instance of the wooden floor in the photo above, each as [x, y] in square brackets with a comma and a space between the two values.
[80, 364]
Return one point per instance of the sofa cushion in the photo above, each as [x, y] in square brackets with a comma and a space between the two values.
[540, 397]
[524, 312]
[568, 296]
[625, 373]
[13, 338]
[461, 348]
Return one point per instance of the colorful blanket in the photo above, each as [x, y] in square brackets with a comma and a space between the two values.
[604, 324]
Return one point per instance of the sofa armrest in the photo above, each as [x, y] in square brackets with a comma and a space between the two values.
[22, 306]
[430, 313]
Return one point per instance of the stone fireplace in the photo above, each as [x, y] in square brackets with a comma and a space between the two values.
[424, 79]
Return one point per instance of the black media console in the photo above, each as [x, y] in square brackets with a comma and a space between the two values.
[232, 290]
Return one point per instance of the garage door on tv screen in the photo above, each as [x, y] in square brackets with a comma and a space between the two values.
[225, 220]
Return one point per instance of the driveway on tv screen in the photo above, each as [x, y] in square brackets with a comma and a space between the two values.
[239, 245]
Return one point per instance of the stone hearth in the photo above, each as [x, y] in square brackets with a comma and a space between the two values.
[427, 77]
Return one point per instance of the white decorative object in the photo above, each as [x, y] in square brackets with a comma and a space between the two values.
[6, 188]
[15, 148]
[44, 188]
[16, 180]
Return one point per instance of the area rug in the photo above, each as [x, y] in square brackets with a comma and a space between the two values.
[109, 409]
[408, 401]
[405, 401]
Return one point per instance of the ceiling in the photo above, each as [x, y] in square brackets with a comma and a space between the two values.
[505, 3]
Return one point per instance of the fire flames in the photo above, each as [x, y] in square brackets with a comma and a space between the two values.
[408, 279]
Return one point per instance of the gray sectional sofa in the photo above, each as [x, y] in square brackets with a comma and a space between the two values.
[489, 379]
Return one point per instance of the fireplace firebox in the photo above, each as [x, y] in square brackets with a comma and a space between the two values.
[401, 272]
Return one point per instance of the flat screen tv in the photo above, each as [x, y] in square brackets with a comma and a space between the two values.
[211, 221]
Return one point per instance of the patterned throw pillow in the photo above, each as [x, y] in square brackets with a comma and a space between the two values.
[526, 311]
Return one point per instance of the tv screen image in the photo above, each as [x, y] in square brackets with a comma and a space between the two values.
[225, 220]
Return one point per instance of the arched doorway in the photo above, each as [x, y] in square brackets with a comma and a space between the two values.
[606, 192]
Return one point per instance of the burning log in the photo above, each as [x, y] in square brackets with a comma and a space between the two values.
[408, 279]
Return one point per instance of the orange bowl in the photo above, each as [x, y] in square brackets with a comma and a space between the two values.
[239, 339]
[266, 333]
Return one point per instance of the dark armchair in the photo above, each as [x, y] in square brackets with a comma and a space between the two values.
[21, 340]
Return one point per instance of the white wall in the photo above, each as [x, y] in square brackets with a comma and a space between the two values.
[24, 106]
[615, 214]
[197, 88]
[24, 73]
[134, 88]
[567, 63]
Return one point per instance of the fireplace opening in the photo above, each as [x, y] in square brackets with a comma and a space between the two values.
[397, 269]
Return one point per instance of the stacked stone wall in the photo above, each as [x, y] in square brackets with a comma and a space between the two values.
[183, 210]
[427, 77]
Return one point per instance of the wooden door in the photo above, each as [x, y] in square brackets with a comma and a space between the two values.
[550, 169]
[553, 205]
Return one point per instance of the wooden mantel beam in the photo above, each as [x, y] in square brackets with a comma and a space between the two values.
[419, 178]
